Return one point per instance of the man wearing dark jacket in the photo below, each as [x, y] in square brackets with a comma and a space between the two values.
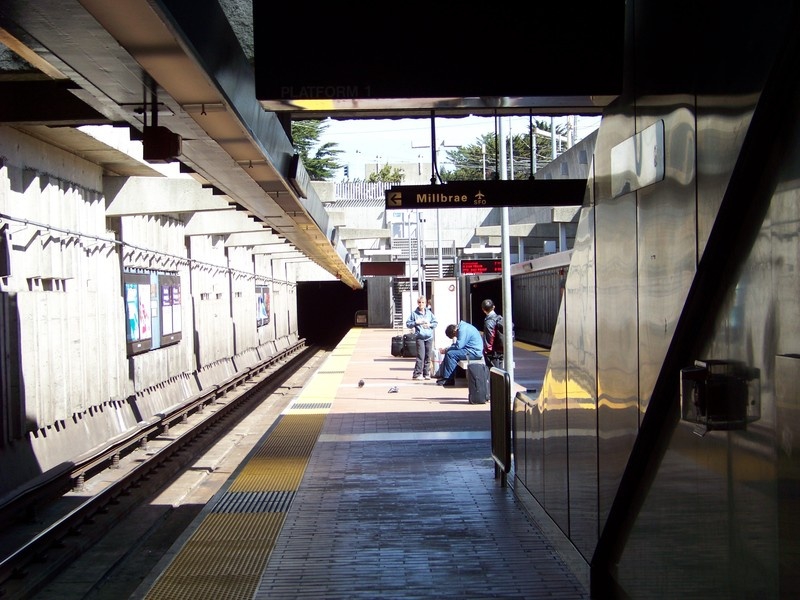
[492, 345]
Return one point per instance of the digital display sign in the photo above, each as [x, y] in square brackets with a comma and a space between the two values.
[481, 267]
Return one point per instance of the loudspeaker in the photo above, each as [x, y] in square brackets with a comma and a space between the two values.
[160, 145]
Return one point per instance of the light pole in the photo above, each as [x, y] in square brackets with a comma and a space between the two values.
[420, 271]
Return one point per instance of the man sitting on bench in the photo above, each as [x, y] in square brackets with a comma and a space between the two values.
[467, 345]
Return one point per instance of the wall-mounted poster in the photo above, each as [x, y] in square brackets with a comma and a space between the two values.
[145, 316]
[138, 312]
[166, 310]
[170, 308]
[262, 305]
[152, 310]
[132, 308]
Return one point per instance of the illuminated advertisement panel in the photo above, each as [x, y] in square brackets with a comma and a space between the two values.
[170, 287]
[137, 311]
[263, 307]
[152, 310]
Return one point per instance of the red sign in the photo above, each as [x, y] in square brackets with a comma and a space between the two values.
[479, 267]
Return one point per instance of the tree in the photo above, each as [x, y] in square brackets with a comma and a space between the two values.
[387, 174]
[323, 164]
[481, 159]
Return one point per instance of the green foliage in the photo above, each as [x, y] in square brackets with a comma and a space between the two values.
[323, 164]
[480, 160]
[387, 174]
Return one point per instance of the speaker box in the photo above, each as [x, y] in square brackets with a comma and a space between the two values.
[160, 145]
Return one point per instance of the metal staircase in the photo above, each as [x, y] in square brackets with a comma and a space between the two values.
[400, 287]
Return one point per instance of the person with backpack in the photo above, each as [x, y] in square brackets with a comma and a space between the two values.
[492, 336]
[422, 321]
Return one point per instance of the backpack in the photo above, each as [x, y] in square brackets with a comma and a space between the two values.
[499, 335]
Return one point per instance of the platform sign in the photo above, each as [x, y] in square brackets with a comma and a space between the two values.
[488, 194]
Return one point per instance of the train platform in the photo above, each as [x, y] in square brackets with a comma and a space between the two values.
[370, 485]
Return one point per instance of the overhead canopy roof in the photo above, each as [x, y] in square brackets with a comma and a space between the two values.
[408, 60]
[175, 69]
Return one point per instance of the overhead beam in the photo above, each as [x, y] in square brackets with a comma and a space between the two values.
[157, 195]
[45, 103]
[226, 222]
[254, 238]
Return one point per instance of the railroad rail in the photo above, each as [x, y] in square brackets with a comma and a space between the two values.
[28, 560]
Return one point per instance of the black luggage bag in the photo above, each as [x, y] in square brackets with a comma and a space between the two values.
[397, 345]
[410, 345]
[478, 378]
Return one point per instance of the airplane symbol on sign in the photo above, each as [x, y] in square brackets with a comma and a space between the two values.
[395, 199]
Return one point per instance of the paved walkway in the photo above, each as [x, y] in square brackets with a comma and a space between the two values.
[399, 499]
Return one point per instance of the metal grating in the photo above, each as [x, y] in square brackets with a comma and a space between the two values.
[254, 502]
[311, 406]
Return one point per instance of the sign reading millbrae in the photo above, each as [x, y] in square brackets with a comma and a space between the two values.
[488, 194]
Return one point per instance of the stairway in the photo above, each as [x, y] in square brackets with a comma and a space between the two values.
[399, 288]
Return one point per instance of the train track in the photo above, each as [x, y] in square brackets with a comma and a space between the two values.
[106, 490]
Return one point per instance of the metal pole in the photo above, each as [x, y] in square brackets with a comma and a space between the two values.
[420, 272]
[508, 325]
[407, 217]
[439, 243]
[511, 148]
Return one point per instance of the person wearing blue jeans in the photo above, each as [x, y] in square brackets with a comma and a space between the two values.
[468, 344]
[423, 322]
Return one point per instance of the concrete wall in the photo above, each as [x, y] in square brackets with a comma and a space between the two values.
[68, 233]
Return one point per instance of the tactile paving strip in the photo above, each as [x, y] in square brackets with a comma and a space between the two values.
[226, 555]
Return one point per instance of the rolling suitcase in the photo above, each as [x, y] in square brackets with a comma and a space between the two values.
[410, 345]
[478, 378]
[397, 345]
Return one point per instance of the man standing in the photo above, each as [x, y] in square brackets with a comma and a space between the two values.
[423, 322]
[466, 345]
[492, 342]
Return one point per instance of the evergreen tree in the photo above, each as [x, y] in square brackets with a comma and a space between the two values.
[387, 174]
[480, 160]
[323, 164]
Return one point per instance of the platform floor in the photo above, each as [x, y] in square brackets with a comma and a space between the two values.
[381, 489]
